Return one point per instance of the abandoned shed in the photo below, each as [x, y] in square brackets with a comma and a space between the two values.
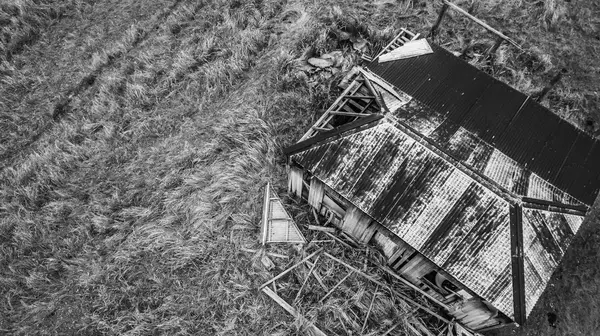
[470, 189]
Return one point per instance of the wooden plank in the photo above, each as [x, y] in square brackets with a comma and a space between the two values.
[387, 332]
[359, 97]
[417, 267]
[368, 233]
[295, 181]
[291, 268]
[311, 328]
[317, 276]
[321, 228]
[266, 204]
[316, 193]
[349, 114]
[271, 254]
[338, 240]
[377, 94]
[438, 21]
[312, 268]
[415, 321]
[336, 286]
[369, 311]
[483, 24]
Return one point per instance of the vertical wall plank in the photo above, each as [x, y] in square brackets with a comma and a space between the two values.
[295, 181]
[315, 195]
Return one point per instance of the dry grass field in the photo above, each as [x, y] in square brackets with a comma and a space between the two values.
[136, 137]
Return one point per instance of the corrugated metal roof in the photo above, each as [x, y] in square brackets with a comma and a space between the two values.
[546, 236]
[450, 94]
[481, 156]
[453, 220]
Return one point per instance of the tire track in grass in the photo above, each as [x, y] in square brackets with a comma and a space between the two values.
[133, 37]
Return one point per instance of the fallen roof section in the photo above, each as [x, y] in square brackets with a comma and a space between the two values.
[277, 225]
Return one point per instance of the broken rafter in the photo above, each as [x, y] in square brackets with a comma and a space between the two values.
[377, 94]
[359, 97]
[404, 297]
[321, 228]
[317, 276]
[321, 129]
[291, 268]
[369, 311]
[311, 328]
[338, 240]
[350, 114]
[483, 24]
[336, 286]
[312, 268]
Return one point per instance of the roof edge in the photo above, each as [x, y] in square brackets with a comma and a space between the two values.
[517, 264]
[302, 145]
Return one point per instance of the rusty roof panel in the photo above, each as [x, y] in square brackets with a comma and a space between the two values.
[546, 235]
[433, 206]
[381, 171]
[462, 145]
[504, 171]
[460, 95]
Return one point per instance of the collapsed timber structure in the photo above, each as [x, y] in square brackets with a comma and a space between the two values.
[470, 189]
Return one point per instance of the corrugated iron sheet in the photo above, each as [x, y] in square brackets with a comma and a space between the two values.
[447, 216]
[546, 235]
[450, 94]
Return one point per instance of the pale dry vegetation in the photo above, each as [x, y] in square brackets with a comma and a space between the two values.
[135, 138]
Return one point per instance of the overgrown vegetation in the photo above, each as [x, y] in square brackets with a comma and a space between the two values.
[135, 138]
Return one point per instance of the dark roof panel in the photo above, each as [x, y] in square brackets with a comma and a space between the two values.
[546, 236]
[448, 92]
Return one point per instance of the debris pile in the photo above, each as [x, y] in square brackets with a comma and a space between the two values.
[332, 285]
[325, 66]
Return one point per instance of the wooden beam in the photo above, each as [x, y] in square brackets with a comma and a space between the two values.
[266, 206]
[359, 97]
[291, 268]
[582, 209]
[321, 228]
[321, 129]
[271, 254]
[312, 268]
[483, 24]
[438, 21]
[312, 329]
[338, 240]
[377, 94]
[349, 114]
[336, 286]
[369, 311]
[317, 276]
